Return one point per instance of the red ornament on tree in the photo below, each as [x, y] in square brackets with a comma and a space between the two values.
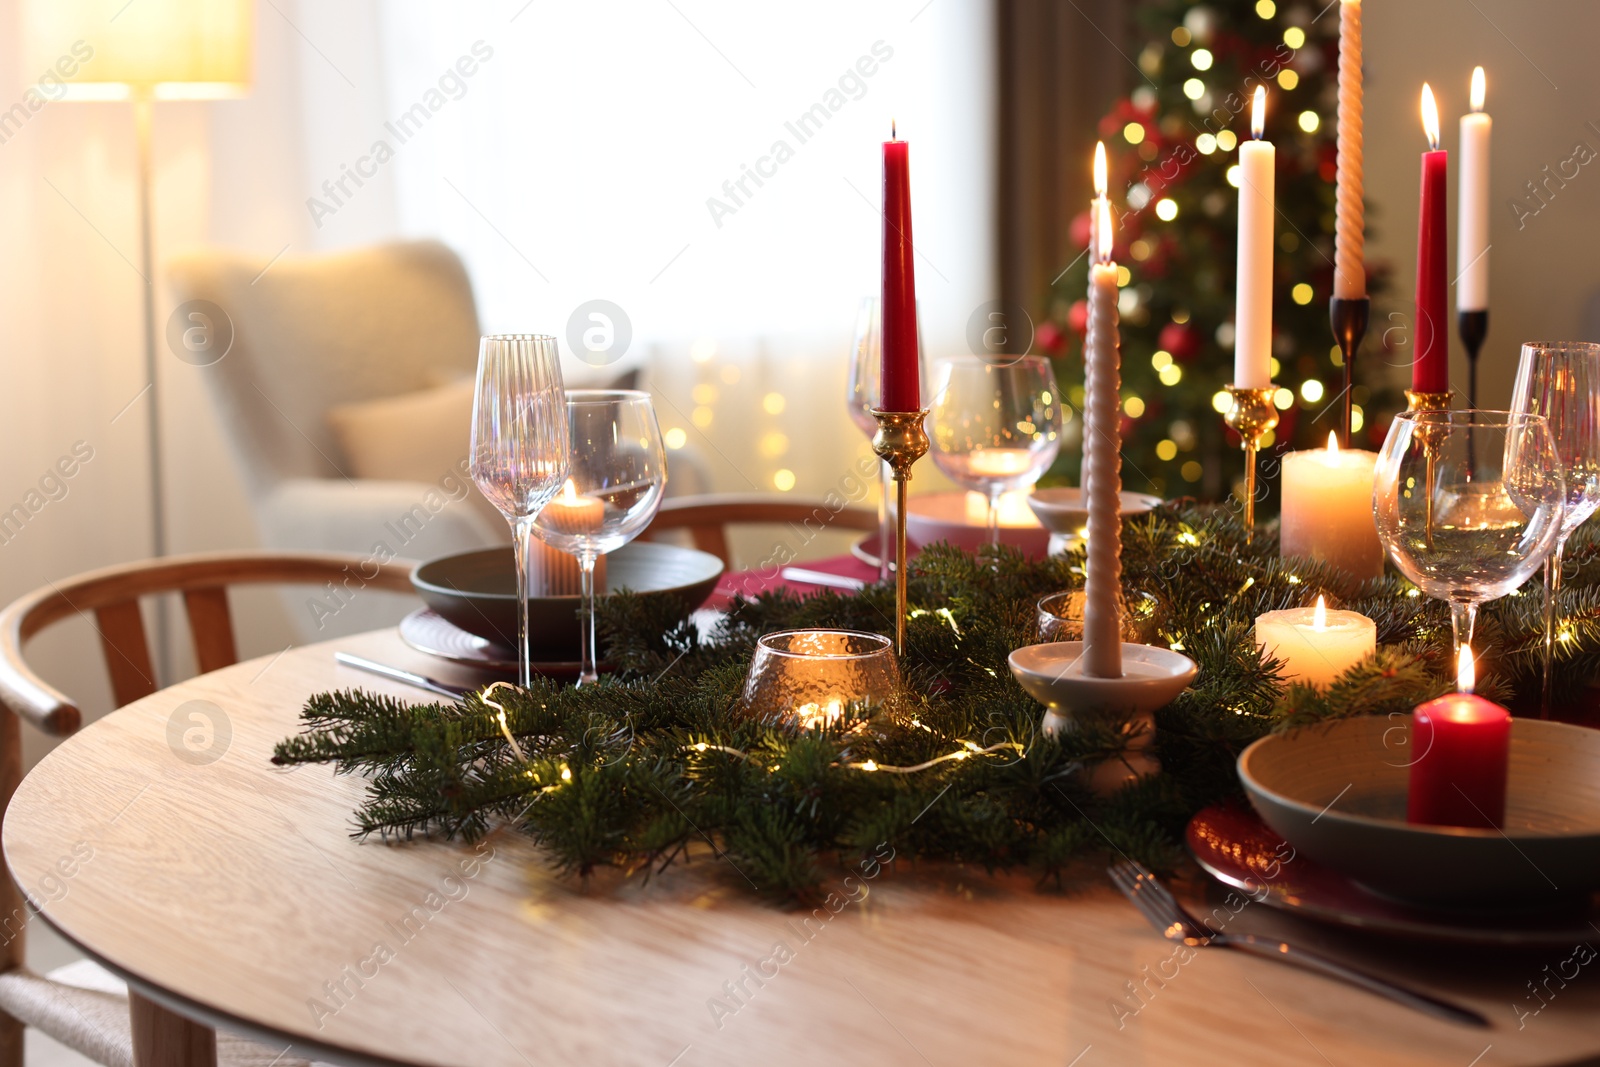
[1049, 337]
[1078, 317]
[1180, 339]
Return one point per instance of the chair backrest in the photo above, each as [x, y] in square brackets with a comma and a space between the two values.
[708, 517]
[311, 332]
[109, 599]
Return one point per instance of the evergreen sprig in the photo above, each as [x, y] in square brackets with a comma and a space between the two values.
[662, 756]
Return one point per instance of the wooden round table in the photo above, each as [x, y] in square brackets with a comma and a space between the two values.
[230, 891]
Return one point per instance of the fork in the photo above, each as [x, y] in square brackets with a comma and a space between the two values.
[1158, 905]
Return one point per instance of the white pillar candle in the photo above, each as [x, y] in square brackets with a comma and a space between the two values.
[1349, 239]
[1472, 242]
[1102, 452]
[1327, 509]
[1252, 325]
[552, 572]
[1316, 645]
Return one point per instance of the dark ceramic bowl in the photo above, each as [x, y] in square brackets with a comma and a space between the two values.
[1338, 794]
[477, 592]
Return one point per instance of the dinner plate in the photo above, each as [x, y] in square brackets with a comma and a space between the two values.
[1233, 845]
[476, 592]
[432, 634]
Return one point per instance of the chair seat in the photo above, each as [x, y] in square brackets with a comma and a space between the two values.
[85, 1007]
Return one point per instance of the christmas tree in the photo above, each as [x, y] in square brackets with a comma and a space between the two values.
[1172, 146]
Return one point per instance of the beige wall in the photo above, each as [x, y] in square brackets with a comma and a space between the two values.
[1544, 89]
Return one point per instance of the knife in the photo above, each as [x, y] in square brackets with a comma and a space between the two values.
[360, 663]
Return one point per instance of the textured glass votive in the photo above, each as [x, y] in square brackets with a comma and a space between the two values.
[812, 675]
[1060, 617]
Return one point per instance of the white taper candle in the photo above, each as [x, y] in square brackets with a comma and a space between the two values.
[1252, 351]
[1472, 242]
[1102, 462]
[1349, 237]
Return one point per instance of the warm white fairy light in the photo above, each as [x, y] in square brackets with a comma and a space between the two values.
[501, 717]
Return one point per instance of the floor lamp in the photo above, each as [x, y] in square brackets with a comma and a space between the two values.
[143, 52]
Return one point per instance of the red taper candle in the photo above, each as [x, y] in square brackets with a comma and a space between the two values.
[902, 378]
[1430, 373]
[1461, 753]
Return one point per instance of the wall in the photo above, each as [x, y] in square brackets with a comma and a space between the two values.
[1544, 90]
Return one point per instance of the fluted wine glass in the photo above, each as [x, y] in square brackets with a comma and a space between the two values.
[617, 476]
[1561, 381]
[863, 394]
[1468, 503]
[519, 446]
[995, 424]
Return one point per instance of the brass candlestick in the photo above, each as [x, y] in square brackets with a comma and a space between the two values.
[900, 442]
[1349, 320]
[1251, 415]
[1428, 401]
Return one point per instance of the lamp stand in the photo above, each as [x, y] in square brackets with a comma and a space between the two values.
[142, 116]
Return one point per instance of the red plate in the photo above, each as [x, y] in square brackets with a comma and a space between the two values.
[1234, 846]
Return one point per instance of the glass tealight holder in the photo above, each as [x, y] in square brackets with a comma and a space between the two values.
[1060, 617]
[811, 676]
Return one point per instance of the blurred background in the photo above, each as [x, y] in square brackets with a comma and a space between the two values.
[627, 153]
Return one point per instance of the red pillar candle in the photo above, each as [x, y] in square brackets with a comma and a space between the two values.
[902, 378]
[1430, 373]
[1461, 747]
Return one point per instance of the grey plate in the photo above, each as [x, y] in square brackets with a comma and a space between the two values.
[1337, 793]
[476, 591]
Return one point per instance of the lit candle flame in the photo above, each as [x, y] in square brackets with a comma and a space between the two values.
[1258, 113]
[894, 133]
[1430, 117]
[1480, 88]
[1466, 670]
[1319, 617]
[569, 493]
[1100, 169]
[1333, 442]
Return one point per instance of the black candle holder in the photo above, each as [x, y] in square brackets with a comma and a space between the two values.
[1474, 327]
[1349, 320]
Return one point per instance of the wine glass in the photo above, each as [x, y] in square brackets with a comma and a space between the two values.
[618, 474]
[995, 425]
[1561, 381]
[1468, 503]
[864, 393]
[519, 446]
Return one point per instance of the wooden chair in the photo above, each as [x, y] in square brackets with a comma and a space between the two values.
[708, 517]
[111, 1029]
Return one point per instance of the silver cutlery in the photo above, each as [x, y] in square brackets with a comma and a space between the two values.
[361, 663]
[1157, 904]
[832, 581]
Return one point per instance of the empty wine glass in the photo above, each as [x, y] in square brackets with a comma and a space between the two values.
[519, 446]
[864, 393]
[1468, 503]
[618, 473]
[995, 424]
[1561, 381]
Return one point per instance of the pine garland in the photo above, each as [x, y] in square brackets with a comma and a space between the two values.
[661, 758]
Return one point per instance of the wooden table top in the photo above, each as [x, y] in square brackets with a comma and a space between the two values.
[231, 891]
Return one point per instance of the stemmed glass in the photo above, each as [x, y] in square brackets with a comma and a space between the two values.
[1469, 504]
[1561, 381]
[995, 424]
[618, 473]
[864, 393]
[519, 446]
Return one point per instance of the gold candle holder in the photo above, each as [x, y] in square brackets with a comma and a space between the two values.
[1429, 401]
[1251, 414]
[900, 442]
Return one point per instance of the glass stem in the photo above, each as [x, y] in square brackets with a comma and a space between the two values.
[994, 517]
[522, 545]
[588, 673]
[885, 522]
[1552, 586]
[1463, 617]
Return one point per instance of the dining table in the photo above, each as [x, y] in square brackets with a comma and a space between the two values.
[234, 893]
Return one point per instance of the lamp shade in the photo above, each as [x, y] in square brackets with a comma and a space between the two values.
[160, 49]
